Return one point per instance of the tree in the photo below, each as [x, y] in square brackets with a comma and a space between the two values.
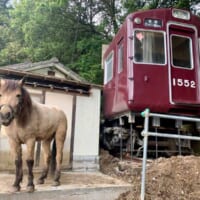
[44, 28]
[185, 4]
[89, 63]
[4, 22]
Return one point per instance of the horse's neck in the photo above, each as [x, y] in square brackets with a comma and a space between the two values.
[24, 116]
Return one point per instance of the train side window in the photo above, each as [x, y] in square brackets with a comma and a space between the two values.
[108, 68]
[181, 51]
[149, 47]
[120, 57]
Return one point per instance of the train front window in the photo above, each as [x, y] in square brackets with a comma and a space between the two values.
[120, 57]
[181, 51]
[149, 47]
[108, 68]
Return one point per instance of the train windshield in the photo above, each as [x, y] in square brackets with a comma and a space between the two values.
[149, 47]
[181, 51]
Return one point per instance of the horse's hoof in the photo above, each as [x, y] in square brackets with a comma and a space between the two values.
[15, 189]
[30, 188]
[40, 181]
[56, 183]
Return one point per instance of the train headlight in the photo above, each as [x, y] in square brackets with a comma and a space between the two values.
[181, 14]
[137, 20]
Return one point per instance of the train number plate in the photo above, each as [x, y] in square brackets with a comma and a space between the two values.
[183, 83]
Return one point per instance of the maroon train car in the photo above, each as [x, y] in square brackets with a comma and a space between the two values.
[152, 62]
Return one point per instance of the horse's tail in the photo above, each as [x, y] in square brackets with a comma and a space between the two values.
[53, 157]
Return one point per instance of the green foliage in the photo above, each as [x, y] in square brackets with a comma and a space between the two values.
[44, 31]
[4, 23]
[132, 6]
[89, 51]
[71, 30]
[183, 4]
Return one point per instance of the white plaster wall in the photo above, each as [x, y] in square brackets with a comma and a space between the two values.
[86, 138]
[4, 145]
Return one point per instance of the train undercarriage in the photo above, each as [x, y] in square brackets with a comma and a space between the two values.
[123, 135]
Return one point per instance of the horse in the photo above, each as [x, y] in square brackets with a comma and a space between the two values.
[25, 121]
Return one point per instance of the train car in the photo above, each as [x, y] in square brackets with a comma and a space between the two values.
[152, 62]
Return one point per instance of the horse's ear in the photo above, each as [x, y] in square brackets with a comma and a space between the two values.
[21, 82]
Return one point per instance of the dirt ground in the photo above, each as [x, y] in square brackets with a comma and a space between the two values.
[175, 178]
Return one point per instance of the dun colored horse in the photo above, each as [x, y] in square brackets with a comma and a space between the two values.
[25, 122]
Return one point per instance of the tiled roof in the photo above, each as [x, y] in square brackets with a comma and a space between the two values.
[54, 62]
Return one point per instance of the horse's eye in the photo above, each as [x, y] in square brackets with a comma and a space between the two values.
[18, 95]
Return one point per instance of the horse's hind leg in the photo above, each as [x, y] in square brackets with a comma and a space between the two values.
[47, 156]
[58, 165]
[59, 154]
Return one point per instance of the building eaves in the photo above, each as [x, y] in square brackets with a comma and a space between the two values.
[48, 82]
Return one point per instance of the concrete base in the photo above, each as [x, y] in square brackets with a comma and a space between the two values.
[74, 186]
[85, 163]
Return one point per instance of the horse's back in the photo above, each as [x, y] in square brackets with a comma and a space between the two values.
[51, 119]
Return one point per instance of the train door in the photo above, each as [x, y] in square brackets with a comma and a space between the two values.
[183, 65]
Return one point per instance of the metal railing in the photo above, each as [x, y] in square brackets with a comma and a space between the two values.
[145, 133]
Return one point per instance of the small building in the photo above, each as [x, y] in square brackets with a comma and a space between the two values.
[50, 67]
[50, 82]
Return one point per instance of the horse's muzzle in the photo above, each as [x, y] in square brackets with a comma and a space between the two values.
[6, 115]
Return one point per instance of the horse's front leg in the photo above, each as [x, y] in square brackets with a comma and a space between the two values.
[30, 161]
[17, 153]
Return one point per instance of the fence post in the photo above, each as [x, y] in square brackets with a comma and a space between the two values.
[144, 114]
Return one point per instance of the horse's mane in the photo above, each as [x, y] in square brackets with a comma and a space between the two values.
[26, 108]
